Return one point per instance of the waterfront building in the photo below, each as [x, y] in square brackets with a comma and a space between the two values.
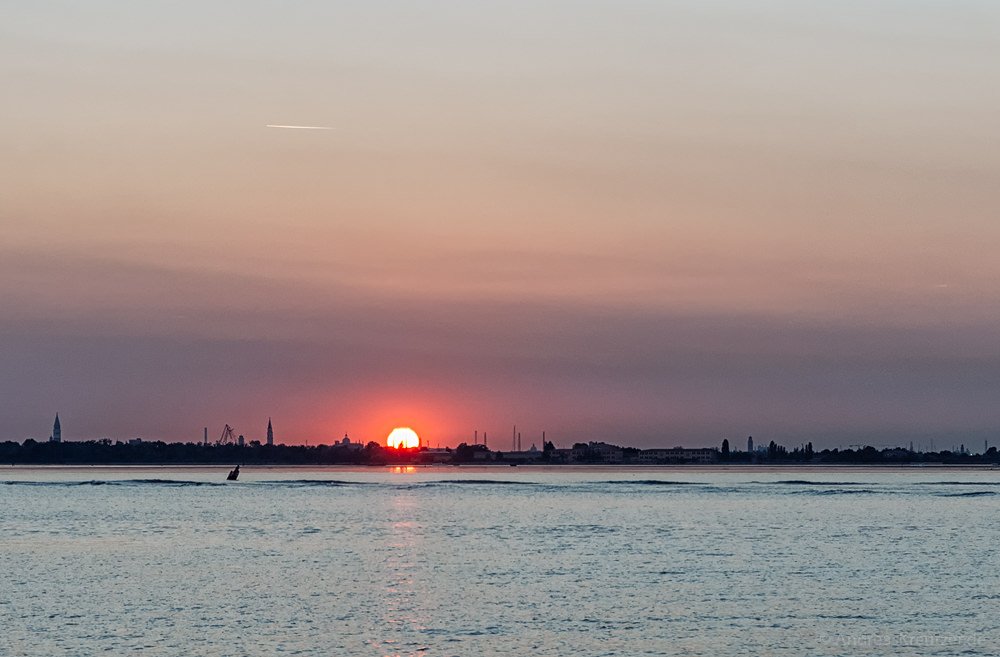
[434, 455]
[561, 455]
[679, 455]
[522, 456]
[598, 453]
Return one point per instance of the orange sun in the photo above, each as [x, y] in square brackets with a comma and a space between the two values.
[403, 437]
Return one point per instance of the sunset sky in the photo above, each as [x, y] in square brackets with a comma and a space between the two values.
[652, 223]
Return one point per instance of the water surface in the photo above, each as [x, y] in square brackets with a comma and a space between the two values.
[499, 561]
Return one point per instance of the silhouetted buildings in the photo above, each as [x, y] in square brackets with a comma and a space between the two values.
[345, 443]
[347, 451]
[597, 453]
[230, 448]
[528, 456]
[678, 455]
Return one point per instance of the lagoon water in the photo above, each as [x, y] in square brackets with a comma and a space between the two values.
[499, 561]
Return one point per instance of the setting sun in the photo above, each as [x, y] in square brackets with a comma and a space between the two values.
[404, 437]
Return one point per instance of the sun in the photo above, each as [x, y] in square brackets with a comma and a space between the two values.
[404, 437]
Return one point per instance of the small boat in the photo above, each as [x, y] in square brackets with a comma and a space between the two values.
[234, 474]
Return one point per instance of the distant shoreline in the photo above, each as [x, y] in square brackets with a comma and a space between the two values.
[623, 467]
[372, 454]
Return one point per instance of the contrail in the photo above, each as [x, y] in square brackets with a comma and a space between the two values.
[300, 127]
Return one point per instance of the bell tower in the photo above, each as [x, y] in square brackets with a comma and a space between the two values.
[56, 431]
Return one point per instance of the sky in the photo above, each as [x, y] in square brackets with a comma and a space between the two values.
[654, 223]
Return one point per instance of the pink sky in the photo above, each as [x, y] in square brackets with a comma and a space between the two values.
[652, 223]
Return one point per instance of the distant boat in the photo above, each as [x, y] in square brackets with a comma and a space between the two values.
[234, 474]
[513, 465]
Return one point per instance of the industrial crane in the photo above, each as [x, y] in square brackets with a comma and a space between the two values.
[227, 437]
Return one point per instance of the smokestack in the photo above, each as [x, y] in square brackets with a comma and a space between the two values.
[206, 435]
